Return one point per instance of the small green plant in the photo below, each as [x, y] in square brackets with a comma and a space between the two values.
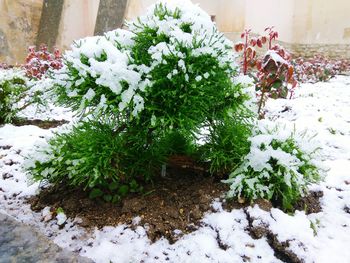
[16, 94]
[332, 131]
[278, 167]
[315, 225]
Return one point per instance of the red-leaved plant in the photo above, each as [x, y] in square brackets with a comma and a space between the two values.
[275, 75]
[39, 62]
[319, 68]
[273, 72]
[248, 48]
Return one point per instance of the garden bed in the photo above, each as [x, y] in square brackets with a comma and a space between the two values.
[175, 202]
[244, 178]
[170, 207]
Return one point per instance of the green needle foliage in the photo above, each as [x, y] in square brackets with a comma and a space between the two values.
[147, 94]
[278, 167]
[92, 155]
[16, 94]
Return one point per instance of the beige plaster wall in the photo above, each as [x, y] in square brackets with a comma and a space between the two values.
[306, 27]
[19, 22]
[321, 22]
[77, 21]
[278, 13]
[297, 21]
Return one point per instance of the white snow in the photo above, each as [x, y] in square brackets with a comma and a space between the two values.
[322, 108]
[274, 56]
[61, 218]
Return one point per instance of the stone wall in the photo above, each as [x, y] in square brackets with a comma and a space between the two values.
[327, 50]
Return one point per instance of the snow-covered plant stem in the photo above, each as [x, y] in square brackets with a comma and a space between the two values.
[245, 62]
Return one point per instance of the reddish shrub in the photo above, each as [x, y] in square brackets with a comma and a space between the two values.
[319, 68]
[39, 62]
[273, 72]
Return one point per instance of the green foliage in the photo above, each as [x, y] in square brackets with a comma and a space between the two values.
[178, 143]
[150, 91]
[279, 167]
[315, 226]
[98, 158]
[227, 143]
[15, 94]
[60, 210]
[104, 161]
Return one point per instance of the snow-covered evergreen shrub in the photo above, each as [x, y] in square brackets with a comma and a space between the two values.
[17, 92]
[279, 167]
[172, 65]
[159, 83]
[98, 76]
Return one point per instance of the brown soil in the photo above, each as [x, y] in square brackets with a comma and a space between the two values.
[177, 201]
[310, 203]
[281, 249]
[44, 124]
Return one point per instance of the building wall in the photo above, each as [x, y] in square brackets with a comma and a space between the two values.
[78, 21]
[261, 14]
[19, 22]
[321, 22]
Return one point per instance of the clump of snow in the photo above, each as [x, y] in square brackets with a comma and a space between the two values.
[136, 220]
[100, 58]
[248, 85]
[61, 218]
[9, 74]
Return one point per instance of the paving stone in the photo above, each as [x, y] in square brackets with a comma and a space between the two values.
[20, 243]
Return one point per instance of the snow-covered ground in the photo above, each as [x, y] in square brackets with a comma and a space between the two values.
[322, 108]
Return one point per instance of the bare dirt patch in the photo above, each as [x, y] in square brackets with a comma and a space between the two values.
[310, 203]
[44, 124]
[175, 202]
